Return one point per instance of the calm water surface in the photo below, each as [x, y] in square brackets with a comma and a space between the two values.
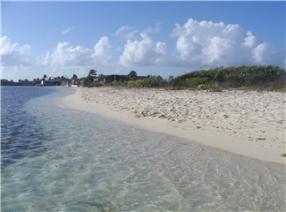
[56, 159]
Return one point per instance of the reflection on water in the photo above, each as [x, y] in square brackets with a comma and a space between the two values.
[95, 164]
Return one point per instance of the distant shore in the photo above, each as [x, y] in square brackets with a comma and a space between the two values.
[248, 123]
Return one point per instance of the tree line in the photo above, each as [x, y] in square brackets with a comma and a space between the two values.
[215, 79]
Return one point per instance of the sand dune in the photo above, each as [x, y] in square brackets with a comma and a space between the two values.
[248, 123]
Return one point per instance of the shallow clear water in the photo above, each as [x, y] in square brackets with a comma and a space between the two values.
[84, 162]
[19, 132]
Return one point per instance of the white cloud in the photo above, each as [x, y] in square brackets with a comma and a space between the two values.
[129, 32]
[206, 43]
[102, 50]
[142, 52]
[13, 54]
[67, 55]
[126, 32]
[66, 30]
[260, 52]
[249, 40]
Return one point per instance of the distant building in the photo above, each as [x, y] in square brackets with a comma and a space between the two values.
[51, 82]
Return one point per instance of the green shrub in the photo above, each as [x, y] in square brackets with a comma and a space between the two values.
[262, 77]
[115, 83]
[148, 82]
[203, 87]
[210, 87]
[133, 83]
[194, 82]
[241, 77]
[215, 88]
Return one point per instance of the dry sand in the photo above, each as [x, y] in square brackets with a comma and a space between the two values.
[248, 123]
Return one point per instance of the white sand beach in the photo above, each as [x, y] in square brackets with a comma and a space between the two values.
[248, 123]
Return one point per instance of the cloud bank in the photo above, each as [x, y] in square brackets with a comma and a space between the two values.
[207, 43]
[67, 55]
[198, 44]
[143, 52]
[13, 54]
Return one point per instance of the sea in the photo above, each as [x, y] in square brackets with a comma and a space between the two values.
[59, 159]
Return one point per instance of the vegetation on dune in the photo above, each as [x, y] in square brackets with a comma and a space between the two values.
[217, 79]
[149, 82]
[246, 77]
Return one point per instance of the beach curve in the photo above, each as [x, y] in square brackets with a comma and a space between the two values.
[147, 110]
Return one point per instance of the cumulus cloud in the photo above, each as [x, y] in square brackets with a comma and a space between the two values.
[142, 52]
[260, 52]
[249, 40]
[67, 55]
[207, 43]
[102, 50]
[13, 54]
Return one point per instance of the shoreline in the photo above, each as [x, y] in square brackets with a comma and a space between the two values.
[206, 135]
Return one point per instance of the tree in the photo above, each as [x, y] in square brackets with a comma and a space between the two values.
[44, 77]
[74, 77]
[89, 80]
[132, 75]
[92, 73]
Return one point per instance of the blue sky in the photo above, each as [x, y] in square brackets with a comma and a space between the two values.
[114, 37]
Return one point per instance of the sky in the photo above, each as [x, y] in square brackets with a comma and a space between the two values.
[152, 38]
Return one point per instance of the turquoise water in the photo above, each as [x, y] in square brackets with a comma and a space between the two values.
[83, 162]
